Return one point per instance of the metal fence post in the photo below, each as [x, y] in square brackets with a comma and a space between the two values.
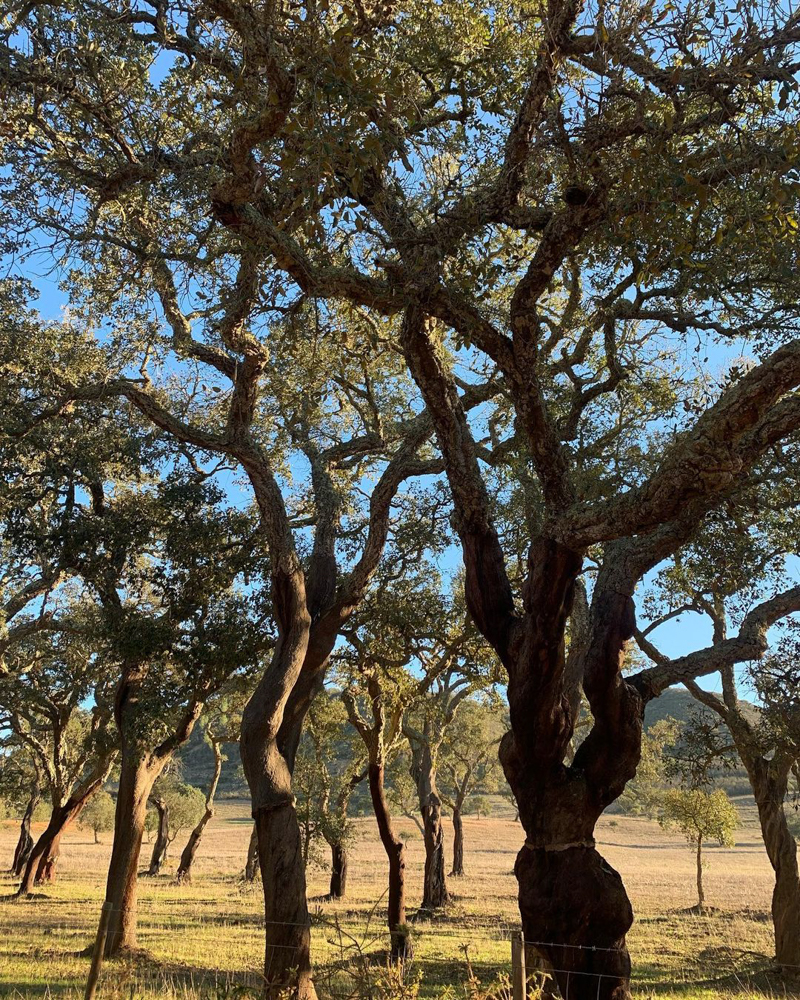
[518, 978]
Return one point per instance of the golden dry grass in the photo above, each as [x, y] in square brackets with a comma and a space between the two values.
[205, 938]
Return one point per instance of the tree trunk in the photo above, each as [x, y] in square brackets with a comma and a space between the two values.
[46, 869]
[287, 961]
[189, 852]
[769, 780]
[434, 893]
[338, 885]
[458, 842]
[251, 865]
[400, 942]
[701, 899]
[136, 780]
[25, 843]
[159, 855]
[41, 861]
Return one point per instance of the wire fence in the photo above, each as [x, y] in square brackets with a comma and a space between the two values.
[221, 954]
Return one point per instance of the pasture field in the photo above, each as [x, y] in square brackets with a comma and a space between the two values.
[205, 939]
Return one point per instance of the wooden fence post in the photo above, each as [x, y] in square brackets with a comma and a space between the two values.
[518, 977]
[99, 947]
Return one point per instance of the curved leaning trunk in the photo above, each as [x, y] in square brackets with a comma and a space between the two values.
[400, 943]
[137, 777]
[458, 842]
[40, 866]
[190, 851]
[770, 789]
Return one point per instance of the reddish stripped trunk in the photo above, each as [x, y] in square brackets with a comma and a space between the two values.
[41, 862]
[137, 777]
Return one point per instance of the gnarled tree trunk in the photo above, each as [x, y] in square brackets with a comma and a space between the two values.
[25, 842]
[190, 851]
[423, 771]
[159, 855]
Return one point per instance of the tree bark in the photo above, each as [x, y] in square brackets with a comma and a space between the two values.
[400, 942]
[159, 855]
[769, 780]
[190, 851]
[338, 885]
[137, 777]
[701, 899]
[458, 842]
[251, 865]
[40, 865]
[423, 771]
[25, 842]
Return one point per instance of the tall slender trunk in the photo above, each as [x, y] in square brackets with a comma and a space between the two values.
[136, 780]
[25, 842]
[159, 855]
[701, 898]
[338, 884]
[190, 851]
[400, 943]
[251, 864]
[458, 841]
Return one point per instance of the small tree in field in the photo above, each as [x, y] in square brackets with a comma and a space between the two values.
[98, 815]
[700, 816]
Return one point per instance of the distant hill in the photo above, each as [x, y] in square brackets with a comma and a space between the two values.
[197, 760]
[197, 765]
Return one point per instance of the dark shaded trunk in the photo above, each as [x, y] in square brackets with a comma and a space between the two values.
[287, 962]
[136, 780]
[251, 864]
[434, 893]
[458, 842]
[25, 842]
[400, 942]
[338, 885]
[159, 855]
[190, 851]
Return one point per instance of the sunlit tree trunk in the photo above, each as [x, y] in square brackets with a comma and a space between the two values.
[25, 842]
[190, 851]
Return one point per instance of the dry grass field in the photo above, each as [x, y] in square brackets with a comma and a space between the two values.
[205, 940]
